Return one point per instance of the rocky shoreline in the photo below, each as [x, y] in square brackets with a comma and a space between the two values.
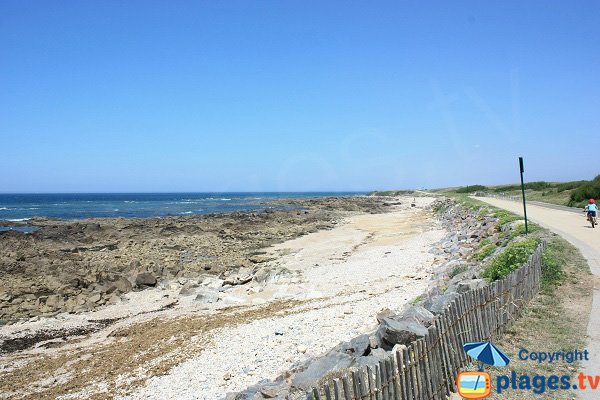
[77, 266]
[460, 272]
[369, 272]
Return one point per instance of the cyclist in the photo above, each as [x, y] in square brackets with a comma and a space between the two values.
[591, 209]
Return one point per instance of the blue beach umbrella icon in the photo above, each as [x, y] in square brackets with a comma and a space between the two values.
[486, 353]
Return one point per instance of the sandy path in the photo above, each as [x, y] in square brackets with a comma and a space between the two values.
[574, 228]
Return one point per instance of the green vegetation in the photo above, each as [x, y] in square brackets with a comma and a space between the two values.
[541, 185]
[588, 189]
[555, 319]
[419, 298]
[552, 196]
[467, 201]
[519, 230]
[471, 189]
[514, 256]
[458, 269]
[505, 217]
[559, 253]
[391, 193]
[573, 193]
[484, 252]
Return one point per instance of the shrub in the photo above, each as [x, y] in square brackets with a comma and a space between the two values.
[458, 269]
[561, 187]
[513, 257]
[585, 191]
[557, 254]
[471, 189]
[519, 230]
[484, 252]
[505, 217]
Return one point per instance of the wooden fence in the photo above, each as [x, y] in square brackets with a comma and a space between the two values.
[427, 368]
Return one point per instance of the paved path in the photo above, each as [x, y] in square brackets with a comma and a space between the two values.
[579, 232]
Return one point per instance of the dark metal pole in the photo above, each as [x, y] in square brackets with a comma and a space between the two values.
[523, 192]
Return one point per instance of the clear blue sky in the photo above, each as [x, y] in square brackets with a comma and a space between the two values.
[128, 96]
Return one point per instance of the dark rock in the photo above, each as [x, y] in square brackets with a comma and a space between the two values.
[76, 283]
[242, 276]
[470, 284]
[271, 274]
[385, 313]
[92, 227]
[121, 284]
[95, 298]
[373, 358]
[320, 367]
[54, 301]
[145, 279]
[188, 289]
[274, 391]
[418, 314]
[359, 346]
[392, 331]
[437, 304]
[207, 297]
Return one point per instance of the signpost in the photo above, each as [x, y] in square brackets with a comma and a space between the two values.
[523, 192]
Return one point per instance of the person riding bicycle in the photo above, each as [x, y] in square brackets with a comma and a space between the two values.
[591, 209]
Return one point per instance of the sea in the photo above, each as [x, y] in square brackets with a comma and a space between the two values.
[22, 207]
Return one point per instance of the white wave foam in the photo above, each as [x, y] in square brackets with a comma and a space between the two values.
[18, 219]
[225, 199]
[3, 208]
[186, 212]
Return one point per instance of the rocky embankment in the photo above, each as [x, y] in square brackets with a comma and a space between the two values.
[458, 273]
[75, 266]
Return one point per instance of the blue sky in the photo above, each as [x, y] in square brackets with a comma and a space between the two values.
[111, 96]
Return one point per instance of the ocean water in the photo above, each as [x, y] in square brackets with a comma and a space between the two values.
[20, 207]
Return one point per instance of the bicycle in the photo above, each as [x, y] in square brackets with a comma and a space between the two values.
[591, 217]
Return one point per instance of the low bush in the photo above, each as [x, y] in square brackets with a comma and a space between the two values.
[519, 230]
[590, 189]
[561, 187]
[471, 189]
[540, 185]
[458, 269]
[505, 217]
[513, 257]
[484, 252]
